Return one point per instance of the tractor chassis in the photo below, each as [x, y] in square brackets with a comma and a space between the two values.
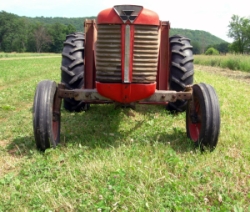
[92, 96]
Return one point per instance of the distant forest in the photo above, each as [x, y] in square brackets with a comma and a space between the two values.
[47, 34]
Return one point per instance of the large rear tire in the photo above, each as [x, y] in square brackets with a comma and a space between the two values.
[72, 69]
[46, 123]
[203, 116]
[181, 70]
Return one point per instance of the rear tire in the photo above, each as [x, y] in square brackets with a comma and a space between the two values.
[72, 69]
[181, 70]
[203, 116]
[46, 123]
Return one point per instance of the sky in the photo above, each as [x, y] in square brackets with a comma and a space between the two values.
[210, 16]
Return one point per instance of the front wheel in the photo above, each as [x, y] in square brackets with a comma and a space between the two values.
[46, 122]
[203, 116]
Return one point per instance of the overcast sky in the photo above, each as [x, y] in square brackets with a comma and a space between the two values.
[210, 16]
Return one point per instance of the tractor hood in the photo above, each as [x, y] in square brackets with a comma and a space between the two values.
[128, 14]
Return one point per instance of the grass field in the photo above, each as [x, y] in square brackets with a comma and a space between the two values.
[230, 61]
[119, 159]
[13, 55]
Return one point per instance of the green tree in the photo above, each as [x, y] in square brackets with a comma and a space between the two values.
[239, 30]
[222, 47]
[58, 34]
[13, 35]
[196, 47]
[212, 51]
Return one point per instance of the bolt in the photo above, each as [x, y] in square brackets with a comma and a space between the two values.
[173, 97]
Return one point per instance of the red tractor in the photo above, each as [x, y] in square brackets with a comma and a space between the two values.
[126, 57]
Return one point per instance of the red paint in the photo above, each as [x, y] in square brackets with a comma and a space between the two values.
[55, 128]
[164, 58]
[195, 128]
[125, 93]
[89, 57]
[109, 16]
[194, 131]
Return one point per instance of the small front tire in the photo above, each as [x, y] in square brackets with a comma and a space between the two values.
[46, 123]
[203, 116]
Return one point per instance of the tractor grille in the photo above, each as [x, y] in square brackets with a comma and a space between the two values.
[145, 54]
[146, 50]
[108, 54]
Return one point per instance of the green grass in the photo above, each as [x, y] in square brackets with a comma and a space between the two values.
[233, 62]
[119, 159]
[18, 55]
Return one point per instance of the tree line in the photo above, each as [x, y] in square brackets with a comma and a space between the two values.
[18, 34]
[44, 34]
[76, 22]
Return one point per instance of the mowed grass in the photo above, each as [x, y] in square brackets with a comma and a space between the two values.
[12, 55]
[230, 61]
[120, 159]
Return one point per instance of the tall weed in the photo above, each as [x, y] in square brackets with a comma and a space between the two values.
[233, 62]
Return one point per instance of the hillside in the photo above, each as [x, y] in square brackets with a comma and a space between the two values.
[202, 37]
[47, 34]
[76, 22]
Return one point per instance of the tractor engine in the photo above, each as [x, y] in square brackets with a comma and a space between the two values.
[126, 53]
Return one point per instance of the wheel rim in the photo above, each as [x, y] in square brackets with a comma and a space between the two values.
[55, 127]
[55, 124]
[194, 125]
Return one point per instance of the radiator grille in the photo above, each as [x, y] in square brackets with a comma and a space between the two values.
[108, 53]
[146, 51]
[145, 54]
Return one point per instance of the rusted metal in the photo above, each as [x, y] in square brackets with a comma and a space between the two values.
[162, 96]
[90, 39]
[164, 58]
[90, 95]
[63, 93]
